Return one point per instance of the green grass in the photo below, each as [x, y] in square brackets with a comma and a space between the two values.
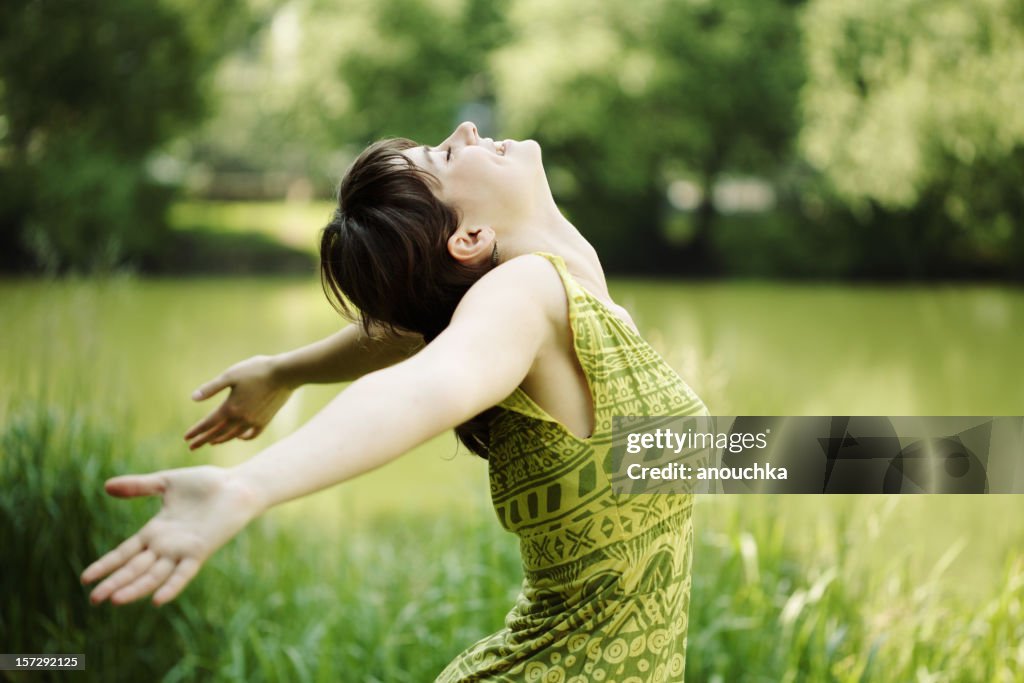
[762, 612]
[281, 602]
[388, 577]
[778, 595]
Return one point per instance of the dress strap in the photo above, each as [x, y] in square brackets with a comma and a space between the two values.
[586, 335]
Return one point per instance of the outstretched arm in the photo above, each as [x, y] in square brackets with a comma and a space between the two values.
[484, 354]
[260, 385]
[345, 356]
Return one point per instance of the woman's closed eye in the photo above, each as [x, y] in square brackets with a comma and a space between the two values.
[448, 154]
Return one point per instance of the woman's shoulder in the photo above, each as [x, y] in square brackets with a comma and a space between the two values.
[534, 278]
[543, 280]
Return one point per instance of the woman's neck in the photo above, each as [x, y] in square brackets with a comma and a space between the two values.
[550, 231]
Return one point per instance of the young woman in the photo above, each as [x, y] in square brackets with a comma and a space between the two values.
[482, 309]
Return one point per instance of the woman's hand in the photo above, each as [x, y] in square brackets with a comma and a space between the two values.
[256, 396]
[204, 507]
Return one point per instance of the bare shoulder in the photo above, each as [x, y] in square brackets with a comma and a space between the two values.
[527, 282]
[498, 328]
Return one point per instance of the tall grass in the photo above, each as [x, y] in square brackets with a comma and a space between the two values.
[760, 612]
[397, 600]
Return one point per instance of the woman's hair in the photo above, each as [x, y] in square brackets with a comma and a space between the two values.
[384, 258]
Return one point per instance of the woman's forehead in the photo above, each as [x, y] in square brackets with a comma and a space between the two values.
[420, 156]
[419, 159]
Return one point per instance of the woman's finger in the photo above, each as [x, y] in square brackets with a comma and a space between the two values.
[231, 432]
[208, 435]
[112, 560]
[131, 485]
[210, 388]
[251, 433]
[123, 576]
[146, 583]
[183, 573]
[215, 433]
[211, 420]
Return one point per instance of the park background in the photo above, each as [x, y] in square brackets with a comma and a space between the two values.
[808, 207]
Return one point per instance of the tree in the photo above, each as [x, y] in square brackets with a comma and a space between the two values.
[87, 92]
[411, 66]
[628, 95]
[912, 111]
[328, 77]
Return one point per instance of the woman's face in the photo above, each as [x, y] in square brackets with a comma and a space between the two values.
[486, 182]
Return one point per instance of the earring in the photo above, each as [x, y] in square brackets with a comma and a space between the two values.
[494, 255]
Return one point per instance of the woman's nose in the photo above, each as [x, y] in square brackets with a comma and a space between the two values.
[467, 131]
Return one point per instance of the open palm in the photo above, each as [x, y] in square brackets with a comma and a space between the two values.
[203, 508]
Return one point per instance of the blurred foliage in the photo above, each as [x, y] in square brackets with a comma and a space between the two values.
[912, 111]
[327, 78]
[87, 92]
[888, 134]
[422, 60]
[901, 92]
[627, 96]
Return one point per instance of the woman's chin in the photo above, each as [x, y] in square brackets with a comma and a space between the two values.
[530, 148]
[520, 146]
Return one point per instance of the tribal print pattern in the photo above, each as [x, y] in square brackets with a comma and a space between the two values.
[606, 585]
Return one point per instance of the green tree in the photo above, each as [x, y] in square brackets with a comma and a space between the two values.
[412, 66]
[327, 77]
[913, 113]
[87, 92]
[629, 95]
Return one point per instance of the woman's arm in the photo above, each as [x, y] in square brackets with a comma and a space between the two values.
[480, 359]
[260, 385]
[484, 354]
[345, 356]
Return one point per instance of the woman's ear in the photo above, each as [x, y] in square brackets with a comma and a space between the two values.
[472, 245]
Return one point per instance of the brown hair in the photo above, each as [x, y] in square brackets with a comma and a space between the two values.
[384, 255]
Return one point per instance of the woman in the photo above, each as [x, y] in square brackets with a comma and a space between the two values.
[482, 309]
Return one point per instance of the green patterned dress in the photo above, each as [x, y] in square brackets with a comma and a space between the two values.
[606, 585]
